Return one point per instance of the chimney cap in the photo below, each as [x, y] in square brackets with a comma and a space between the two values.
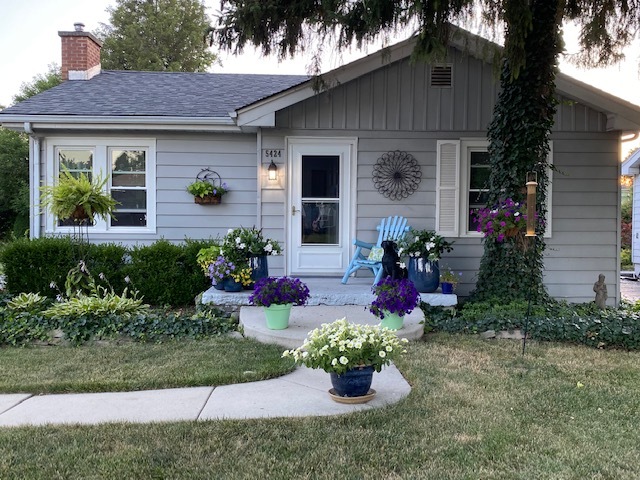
[78, 27]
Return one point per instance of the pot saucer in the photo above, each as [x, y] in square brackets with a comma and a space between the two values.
[352, 400]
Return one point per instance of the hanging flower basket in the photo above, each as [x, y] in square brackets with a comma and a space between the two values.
[209, 199]
[208, 188]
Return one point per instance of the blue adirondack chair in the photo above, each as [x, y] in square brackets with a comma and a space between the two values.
[391, 228]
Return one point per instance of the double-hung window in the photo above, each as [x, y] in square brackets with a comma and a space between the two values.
[128, 165]
[462, 186]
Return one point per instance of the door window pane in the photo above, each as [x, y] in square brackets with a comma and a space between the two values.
[320, 222]
[320, 176]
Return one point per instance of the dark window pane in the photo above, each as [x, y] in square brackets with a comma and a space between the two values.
[129, 219]
[128, 179]
[479, 158]
[128, 160]
[479, 178]
[320, 176]
[130, 199]
[76, 160]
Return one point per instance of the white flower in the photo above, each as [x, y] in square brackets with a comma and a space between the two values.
[382, 353]
[242, 246]
[389, 348]
[268, 248]
[127, 279]
[403, 265]
[238, 240]
[59, 298]
[344, 360]
[516, 214]
[305, 354]
[53, 285]
[400, 250]
[101, 276]
[334, 362]
[430, 245]
[230, 230]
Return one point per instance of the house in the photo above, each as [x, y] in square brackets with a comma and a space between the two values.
[631, 167]
[332, 154]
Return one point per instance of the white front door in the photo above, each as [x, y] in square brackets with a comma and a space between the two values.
[320, 211]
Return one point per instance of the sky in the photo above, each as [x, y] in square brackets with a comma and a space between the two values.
[29, 43]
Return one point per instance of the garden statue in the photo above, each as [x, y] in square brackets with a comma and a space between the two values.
[601, 292]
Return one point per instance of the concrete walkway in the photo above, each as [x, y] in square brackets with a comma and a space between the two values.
[301, 393]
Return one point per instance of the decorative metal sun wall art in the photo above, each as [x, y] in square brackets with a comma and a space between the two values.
[396, 175]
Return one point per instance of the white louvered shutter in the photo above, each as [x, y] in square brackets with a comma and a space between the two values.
[447, 188]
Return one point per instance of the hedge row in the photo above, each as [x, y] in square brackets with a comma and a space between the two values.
[163, 273]
[555, 321]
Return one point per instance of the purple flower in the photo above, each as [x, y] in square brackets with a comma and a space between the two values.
[279, 290]
[394, 296]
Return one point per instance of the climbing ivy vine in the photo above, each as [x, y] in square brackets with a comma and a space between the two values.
[519, 143]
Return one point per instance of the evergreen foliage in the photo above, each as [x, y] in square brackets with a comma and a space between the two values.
[157, 35]
[14, 161]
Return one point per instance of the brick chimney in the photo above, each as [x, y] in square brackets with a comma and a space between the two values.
[80, 54]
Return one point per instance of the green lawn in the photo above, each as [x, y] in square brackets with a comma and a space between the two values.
[138, 366]
[477, 410]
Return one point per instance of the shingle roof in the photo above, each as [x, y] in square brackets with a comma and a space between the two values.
[175, 94]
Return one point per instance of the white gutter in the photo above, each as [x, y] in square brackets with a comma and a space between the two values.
[259, 182]
[72, 122]
[34, 182]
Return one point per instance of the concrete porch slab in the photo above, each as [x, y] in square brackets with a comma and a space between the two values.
[305, 319]
[328, 291]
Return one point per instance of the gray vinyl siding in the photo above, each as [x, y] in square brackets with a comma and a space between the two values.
[394, 108]
[179, 158]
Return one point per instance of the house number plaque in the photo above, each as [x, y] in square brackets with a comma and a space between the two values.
[274, 154]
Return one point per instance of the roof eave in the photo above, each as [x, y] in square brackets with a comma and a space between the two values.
[621, 115]
[79, 122]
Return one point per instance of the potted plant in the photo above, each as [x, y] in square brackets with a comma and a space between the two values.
[245, 245]
[395, 298]
[424, 248]
[78, 198]
[207, 256]
[449, 280]
[505, 220]
[277, 295]
[350, 353]
[219, 271]
[205, 192]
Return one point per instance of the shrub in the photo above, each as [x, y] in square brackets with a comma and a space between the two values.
[31, 265]
[164, 273]
[168, 274]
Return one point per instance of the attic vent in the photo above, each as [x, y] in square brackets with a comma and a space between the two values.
[441, 75]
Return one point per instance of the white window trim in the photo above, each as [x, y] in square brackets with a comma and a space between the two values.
[465, 145]
[101, 167]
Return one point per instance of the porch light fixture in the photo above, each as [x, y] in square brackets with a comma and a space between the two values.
[532, 183]
[272, 171]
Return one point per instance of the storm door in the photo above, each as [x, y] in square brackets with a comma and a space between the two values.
[320, 208]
